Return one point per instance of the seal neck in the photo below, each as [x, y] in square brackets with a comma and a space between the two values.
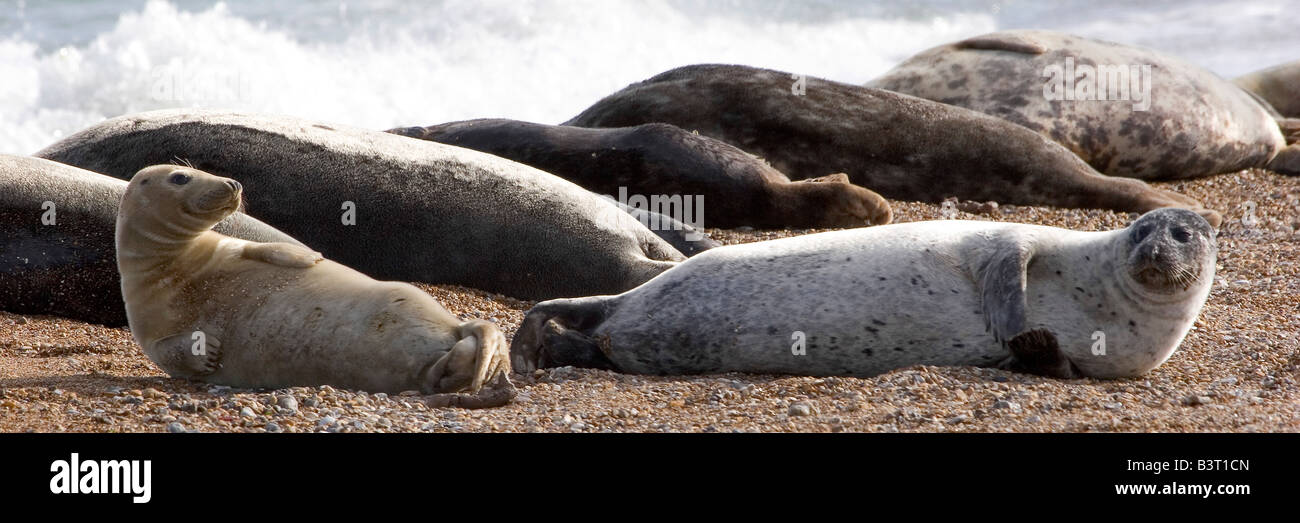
[144, 234]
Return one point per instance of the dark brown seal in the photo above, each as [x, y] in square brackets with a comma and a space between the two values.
[661, 159]
[897, 145]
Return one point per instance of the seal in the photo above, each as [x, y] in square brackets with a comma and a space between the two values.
[1127, 111]
[661, 159]
[900, 146]
[392, 207]
[56, 252]
[1279, 86]
[217, 309]
[1030, 298]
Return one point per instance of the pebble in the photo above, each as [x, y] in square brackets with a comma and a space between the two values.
[247, 412]
[288, 403]
[800, 409]
[175, 428]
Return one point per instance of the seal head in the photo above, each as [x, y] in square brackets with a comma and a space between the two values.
[1168, 248]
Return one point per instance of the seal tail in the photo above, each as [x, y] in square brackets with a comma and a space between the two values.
[556, 333]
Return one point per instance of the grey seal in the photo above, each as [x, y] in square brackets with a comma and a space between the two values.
[56, 253]
[421, 211]
[213, 308]
[1130, 111]
[660, 159]
[900, 146]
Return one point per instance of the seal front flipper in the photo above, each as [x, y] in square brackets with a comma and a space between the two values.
[1037, 352]
[1002, 290]
[189, 354]
[1001, 281]
[1015, 43]
[282, 254]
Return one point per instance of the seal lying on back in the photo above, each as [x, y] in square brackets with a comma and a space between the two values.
[1130, 112]
[899, 146]
[660, 159]
[56, 240]
[395, 208]
[1026, 297]
[210, 307]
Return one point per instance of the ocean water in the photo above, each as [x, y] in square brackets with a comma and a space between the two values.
[65, 65]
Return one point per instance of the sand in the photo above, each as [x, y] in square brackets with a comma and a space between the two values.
[1236, 371]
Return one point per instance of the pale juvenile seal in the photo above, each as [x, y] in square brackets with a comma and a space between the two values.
[213, 308]
[1131, 111]
[421, 211]
[661, 159]
[900, 146]
[1278, 85]
[864, 301]
[56, 240]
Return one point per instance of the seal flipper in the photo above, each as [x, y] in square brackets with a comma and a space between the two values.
[1002, 288]
[682, 236]
[282, 254]
[1287, 161]
[1014, 43]
[1290, 129]
[1037, 352]
[555, 333]
[176, 356]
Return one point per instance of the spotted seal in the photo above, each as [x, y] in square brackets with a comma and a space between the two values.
[861, 302]
[1127, 111]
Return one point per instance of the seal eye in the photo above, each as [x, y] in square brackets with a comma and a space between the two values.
[179, 179]
[1181, 235]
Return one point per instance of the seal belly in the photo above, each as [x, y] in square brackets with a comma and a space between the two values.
[348, 332]
[842, 307]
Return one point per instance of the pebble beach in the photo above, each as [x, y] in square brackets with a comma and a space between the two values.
[1236, 371]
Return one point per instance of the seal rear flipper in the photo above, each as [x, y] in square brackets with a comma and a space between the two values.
[1010, 42]
[555, 333]
[479, 356]
[189, 354]
[1287, 161]
[1037, 352]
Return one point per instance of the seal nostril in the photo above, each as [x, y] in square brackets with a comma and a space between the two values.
[234, 185]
